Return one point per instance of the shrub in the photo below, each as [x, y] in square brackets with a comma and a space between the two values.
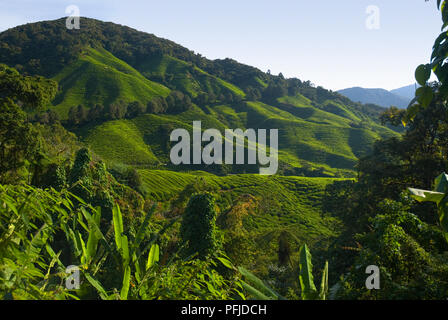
[198, 228]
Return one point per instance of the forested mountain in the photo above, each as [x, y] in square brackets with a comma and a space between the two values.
[149, 85]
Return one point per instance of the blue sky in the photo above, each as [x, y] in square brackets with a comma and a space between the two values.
[324, 41]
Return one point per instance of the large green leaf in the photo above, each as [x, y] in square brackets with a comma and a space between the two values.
[97, 286]
[422, 74]
[94, 223]
[426, 196]
[94, 236]
[258, 284]
[153, 256]
[144, 227]
[254, 292]
[226, 262]
[324, 283]
[118, 225]
[444, 9]
[441, 183]
[125, 250]
[443, 216]
[137, 272]
[83, 247]
[309, 291]
[126, 283]
[424, 96]
[439, 197]
[76, 242]
[54, 256]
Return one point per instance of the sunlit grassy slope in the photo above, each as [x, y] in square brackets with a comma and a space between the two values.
[319, 131]
[122, 142]
[279, 202]
[308, 136]
[99, 77]
[327, 136]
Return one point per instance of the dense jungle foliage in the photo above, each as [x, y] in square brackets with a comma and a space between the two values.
[85, 179]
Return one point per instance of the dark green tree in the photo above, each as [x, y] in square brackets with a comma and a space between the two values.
[178, 102]
[80, 178]
[81, 165]
[133, 179]
[135, 109]
[157, 105]
[116, 110]
[77, 115]
[96, 113]
[198, 228]
[19, 142]
[28, 92]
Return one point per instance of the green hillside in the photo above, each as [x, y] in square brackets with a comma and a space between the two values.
[301, 107]
[331, 145]
[99, 77]
[120, 141]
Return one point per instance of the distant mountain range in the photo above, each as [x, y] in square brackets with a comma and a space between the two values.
[398, 97]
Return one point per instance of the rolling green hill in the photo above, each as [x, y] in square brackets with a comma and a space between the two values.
[331, 143]
[321, 133]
